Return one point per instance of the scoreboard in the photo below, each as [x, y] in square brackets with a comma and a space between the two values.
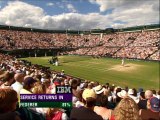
[62, 99]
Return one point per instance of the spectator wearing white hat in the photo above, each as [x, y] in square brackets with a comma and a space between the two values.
[132, 95]
[99, 90]
[122, 94]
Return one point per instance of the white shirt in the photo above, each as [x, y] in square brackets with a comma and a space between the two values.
[17, 86]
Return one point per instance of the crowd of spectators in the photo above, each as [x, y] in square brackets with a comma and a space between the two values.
[91, 100]
[10, 40]
[135, 45]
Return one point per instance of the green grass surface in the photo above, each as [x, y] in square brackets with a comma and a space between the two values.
[135, 74]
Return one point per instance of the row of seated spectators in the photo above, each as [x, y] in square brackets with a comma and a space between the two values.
[136, 45]
[30, 40]
[150, 53]
[91, 100]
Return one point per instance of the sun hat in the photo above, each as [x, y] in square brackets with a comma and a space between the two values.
[88, 93]
[130, 92]
[99, 89]
[136, 99]
[122, 94]
[155, 104]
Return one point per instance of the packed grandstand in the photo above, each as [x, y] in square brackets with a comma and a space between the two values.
[138, 44]
[109, 102]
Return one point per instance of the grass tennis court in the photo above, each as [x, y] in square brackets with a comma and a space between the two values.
[134, 74]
